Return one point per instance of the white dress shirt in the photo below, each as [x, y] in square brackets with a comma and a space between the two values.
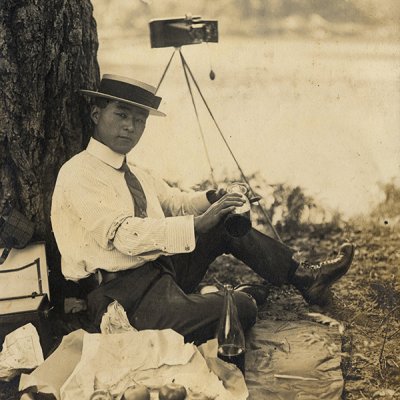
[93, 218]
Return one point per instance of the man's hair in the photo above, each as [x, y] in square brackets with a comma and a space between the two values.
[101, 102]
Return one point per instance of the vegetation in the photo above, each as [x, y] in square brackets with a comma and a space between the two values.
[388, 211]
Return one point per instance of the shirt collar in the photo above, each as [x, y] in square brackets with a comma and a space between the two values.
[105, 154]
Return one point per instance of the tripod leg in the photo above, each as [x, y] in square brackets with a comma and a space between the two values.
[165, 70]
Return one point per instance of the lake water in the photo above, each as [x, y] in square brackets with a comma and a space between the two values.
[320, 114]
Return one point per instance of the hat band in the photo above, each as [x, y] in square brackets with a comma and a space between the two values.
[129, 92]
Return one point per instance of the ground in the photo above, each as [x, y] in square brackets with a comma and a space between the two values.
[366, 301]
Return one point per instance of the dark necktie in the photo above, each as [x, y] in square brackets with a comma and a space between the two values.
[138, 196]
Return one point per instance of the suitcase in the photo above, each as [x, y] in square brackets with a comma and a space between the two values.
[24, 293]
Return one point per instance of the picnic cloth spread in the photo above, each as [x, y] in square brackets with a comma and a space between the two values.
[84, 361]
[285, 360]
[293, 360]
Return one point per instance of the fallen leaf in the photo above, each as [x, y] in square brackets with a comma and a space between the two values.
[384, 392]
[362, 357]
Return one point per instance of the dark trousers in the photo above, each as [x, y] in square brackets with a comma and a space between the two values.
[159, 295]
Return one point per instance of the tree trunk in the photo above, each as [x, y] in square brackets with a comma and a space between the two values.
[48, 52]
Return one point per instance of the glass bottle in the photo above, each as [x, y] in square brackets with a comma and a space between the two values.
[230, 336]
[237, 223]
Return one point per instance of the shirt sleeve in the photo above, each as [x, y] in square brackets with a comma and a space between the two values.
[100, 211]
[177, 202]
[166, 236]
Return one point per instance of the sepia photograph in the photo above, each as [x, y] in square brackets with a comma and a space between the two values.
[199, 200]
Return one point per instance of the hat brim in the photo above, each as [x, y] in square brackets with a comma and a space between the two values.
[151, 110]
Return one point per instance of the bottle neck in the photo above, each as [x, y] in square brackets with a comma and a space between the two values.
[229, 308]
[229, 299]
[230, 330]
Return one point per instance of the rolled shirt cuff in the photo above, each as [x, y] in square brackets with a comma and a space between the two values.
[180, 237]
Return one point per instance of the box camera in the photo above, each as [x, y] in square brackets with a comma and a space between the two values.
[177, 32]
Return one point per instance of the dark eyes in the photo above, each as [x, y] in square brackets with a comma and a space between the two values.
[122, 115]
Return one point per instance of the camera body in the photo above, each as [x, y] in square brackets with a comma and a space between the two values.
[177, 32]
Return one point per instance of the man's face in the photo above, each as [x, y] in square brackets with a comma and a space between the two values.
[119, 126]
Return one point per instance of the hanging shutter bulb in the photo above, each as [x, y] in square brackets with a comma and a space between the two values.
[212, 73]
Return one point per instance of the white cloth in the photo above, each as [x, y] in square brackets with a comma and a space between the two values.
[93, 215]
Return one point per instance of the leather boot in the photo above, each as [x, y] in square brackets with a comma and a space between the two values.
[258, 292]
[314, 281]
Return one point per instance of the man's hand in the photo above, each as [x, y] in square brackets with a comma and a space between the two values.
[215, 195]
[226, 204]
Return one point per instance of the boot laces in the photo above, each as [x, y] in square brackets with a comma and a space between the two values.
[324, 263]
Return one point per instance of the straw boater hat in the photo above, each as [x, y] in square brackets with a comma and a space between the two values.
[128, 91]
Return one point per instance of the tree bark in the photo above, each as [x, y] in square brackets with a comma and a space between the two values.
[48, 52]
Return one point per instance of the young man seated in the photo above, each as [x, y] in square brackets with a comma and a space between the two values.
[136, 240]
